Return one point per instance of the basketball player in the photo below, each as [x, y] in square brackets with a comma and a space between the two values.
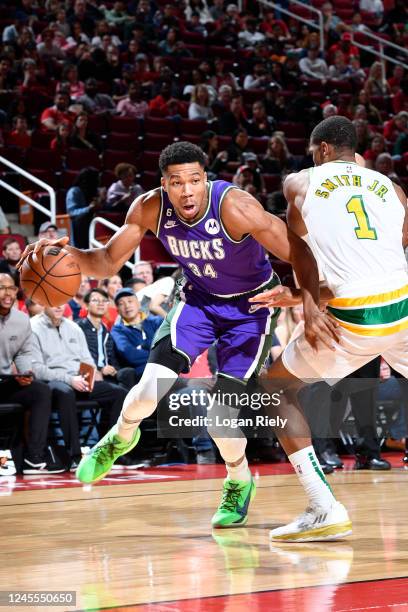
[356, 223]
[218, 234]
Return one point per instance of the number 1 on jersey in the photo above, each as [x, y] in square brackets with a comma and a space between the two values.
[363, 230]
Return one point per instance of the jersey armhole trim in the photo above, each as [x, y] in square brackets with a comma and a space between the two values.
[219, 214]
[160, 213]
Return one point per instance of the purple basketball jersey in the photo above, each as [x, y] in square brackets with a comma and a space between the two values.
[211, 260]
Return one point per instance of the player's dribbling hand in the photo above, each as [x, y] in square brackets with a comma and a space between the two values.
[279, 296]
[321, 328]
[34, 247]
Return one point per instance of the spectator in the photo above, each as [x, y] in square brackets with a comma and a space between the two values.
[194, 25]
[313, 67]
[400, 100]
[20, 135]
[111, 286]
[372, 114]
[100, 343]
[24, 389]
[133, 104]
[277, 159]
[122, 193]
[81, 200]
[52, 116]
[243, 177]
[329, 111]
[376, 84]
[217, 9]
[117, 15]
[395, 126]
[340, 70]
[330, 21]
[48, 230]
[133, 334]
[221, 77]
[136, 284]
[364, 135]
[222, 103]
[375, 8]
[345, 46]
[164, 103]
[395, 81]
[143, 270]
[59, 349]
[11, 253]
[80, 14]
[250, 36]
[82, 137]
[60, 144]
[48, 50]
[93, 102]
[199, 107]
[377, 146]
[238, 147]
[385, 164]
[216, 159]
[77, 303]
[71, 83]
[258, 78]
[234, 118]
[201, 8]
[260, 124]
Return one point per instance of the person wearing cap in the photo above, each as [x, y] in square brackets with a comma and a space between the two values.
[345, 45]
[133, 333]
[133, 105]
[48, 230]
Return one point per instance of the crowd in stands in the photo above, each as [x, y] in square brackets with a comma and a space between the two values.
[91, 92]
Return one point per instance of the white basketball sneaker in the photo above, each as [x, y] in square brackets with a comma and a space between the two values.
[315, 524]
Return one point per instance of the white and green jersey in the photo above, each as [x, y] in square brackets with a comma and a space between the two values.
[354, 220]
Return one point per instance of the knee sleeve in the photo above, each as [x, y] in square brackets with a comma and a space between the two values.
[141, 401]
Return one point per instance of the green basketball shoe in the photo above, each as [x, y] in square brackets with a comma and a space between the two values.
[233, 509]
[98, 462]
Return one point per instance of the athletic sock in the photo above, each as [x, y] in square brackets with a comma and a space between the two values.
[310, 474]
[239, 472]
[127, 428]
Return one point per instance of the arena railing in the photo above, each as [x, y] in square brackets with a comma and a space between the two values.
[49, 212]
[309, 22]
[319, 25]
[379, 53]
[94, 242]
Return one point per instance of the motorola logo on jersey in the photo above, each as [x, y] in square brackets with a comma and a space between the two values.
[212, 226]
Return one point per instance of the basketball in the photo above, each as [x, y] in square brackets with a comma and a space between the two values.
[50, 277]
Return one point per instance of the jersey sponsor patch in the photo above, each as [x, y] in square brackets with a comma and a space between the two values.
[212, 226]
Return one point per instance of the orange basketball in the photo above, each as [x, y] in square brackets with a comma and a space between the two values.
[51, 277]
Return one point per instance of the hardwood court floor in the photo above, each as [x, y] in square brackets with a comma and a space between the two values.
[147, 545]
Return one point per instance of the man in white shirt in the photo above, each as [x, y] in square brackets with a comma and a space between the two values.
[313, 66]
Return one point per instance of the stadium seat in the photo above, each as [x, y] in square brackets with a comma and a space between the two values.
[157, 142]
[111, 158]
[123, 142]
[193, 126]
[151, 249]
[126, 125]
[159, 125]
[149, 180]
[150, 161]
[42, 158]
[81, 158]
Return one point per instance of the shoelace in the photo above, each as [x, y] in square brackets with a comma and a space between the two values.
[230, 496]
[104, 452]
